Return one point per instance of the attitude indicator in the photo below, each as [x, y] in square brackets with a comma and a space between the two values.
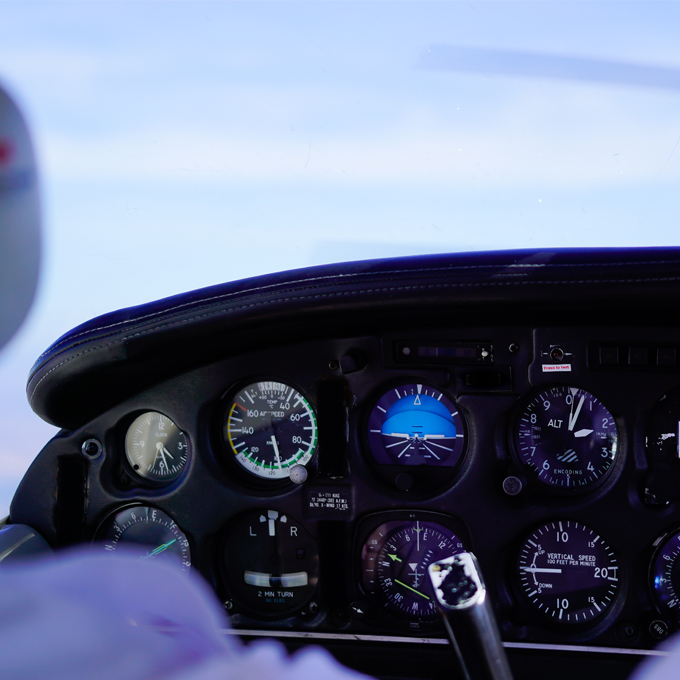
[415, 424]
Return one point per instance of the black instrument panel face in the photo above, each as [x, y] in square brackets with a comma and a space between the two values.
[270, 562]
[270, 429]
[396, 549]
[566, 438]
[567, 573]
[414, 424]
[318, 489]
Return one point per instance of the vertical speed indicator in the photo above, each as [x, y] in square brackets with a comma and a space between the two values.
[270, 428]
[568, 573]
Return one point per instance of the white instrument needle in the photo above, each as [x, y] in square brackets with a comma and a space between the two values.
[582, 433]
[276, 450]
[541, 570]
[574, 418]
[160, 449]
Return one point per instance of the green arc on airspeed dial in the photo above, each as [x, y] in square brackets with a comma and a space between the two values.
[270, 427]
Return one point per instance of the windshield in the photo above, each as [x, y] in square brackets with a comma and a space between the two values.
[186, 144]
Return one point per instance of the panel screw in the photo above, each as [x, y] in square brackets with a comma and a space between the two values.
[228, 605]
[513, 348]
[298, 474]
[91, 448]
[333, 365]
[628, 630]
[340, 618]
[313, 607]
[512, 485]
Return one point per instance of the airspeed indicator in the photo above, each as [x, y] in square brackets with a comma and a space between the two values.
[270, 427]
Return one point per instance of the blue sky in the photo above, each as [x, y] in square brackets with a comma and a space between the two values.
[186, 144]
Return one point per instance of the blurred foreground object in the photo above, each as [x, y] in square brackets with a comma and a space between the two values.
[19, 219]
[468, 617]
[84, 616]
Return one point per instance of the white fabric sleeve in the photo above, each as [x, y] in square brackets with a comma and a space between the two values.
[665, 667]
[111, 617]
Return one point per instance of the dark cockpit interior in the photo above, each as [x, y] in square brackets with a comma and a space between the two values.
[309, 442]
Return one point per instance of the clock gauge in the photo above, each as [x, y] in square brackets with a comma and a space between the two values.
[155, 447]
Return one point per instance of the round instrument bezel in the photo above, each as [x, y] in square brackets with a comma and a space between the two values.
[228, 556]
[110, 517]
[530, 471]
[245, 474]
[550, 618]
[376, 612]
[127, 458]
[424, 479]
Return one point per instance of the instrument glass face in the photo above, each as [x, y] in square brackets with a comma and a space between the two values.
[155, 447]
[148, 529]
[270, 427]
[665, 577]
[394, 561]
[271, 562]
[415, 424]
[566, 438]
[568, 573]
